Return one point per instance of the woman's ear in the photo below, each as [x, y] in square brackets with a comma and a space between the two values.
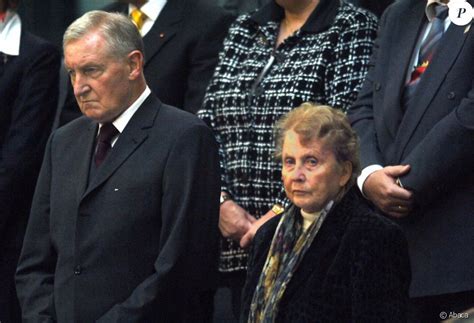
[346, 173]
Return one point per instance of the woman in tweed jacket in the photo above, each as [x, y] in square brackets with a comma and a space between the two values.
[286, 53]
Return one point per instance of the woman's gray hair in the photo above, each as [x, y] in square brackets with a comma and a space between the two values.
[327, 125]
[119, 32]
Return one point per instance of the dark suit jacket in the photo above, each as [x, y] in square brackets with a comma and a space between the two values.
[139, 241]
[28, 100]
[181, 50]
[241, 6]
[356, 269]
[435, 136]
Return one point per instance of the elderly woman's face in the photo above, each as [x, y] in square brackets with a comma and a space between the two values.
[311, 175]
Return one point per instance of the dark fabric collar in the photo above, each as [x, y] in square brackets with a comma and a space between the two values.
[320, 19]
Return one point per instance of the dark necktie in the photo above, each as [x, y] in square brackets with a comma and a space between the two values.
[427, 49]
[106, 133]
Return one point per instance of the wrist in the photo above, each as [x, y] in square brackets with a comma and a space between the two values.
[225, 197]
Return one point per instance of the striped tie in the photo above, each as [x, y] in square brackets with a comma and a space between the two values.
[427, 50]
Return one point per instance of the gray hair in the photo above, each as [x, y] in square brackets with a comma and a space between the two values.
[119, 32]
[327, 125]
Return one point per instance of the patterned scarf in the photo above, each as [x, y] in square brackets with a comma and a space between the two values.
[289, 245]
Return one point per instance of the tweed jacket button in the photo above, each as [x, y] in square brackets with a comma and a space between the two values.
[244, 178]
[451, 95]
[77, 270]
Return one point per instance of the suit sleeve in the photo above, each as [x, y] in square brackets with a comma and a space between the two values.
[188, 239]
[204, 57]
[380, 275]
[208, 110]
[361, 114]
[30, 124]
[445, 156]
[36, 266]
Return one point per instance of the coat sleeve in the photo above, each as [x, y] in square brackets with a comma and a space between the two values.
[348, 65]
[444, 158]
[204, 56]
[380, 274]
[30, 123]
[208, 110]
[187, 260]
[36, 266]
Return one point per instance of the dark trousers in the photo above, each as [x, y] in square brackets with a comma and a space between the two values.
[431, 309]
[9, 306]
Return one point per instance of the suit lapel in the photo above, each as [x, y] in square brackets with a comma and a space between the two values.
[448, 50]
[164, 28]
[407, 31]
[134, 134]
[83, 156]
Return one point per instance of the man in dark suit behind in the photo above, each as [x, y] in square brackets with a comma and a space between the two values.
[123, 227]
[29, 70]
[182, 40]
[415, 118]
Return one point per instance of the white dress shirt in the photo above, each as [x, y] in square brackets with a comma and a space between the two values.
[121, 122]
[10, 33]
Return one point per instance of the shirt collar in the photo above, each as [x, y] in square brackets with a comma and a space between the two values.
[320, 19]
[430, 8]
[121, 122]
[11, 34]
[151, 8]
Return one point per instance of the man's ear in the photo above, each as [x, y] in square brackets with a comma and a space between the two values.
[135, 62]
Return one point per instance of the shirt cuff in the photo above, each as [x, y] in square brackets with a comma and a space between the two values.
[364, 174]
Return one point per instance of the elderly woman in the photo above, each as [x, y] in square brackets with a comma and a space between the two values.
[286, 53]
[328, 258]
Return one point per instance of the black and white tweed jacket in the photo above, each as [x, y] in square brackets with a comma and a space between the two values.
[254, 84]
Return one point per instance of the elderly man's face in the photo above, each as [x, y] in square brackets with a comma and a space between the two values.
[101, 82]
[311, 175]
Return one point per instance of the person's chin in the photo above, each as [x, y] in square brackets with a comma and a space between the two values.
[95, 116]
[300, 202]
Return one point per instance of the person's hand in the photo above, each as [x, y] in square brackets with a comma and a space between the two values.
[248, 237]
[234, 221]
[382, 189]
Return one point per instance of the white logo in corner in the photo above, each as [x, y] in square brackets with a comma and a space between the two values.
[460, 12]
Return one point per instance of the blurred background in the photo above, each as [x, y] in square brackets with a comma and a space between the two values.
[49, 18]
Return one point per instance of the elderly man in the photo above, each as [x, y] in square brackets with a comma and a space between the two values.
[415, 117]
[123, 222]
